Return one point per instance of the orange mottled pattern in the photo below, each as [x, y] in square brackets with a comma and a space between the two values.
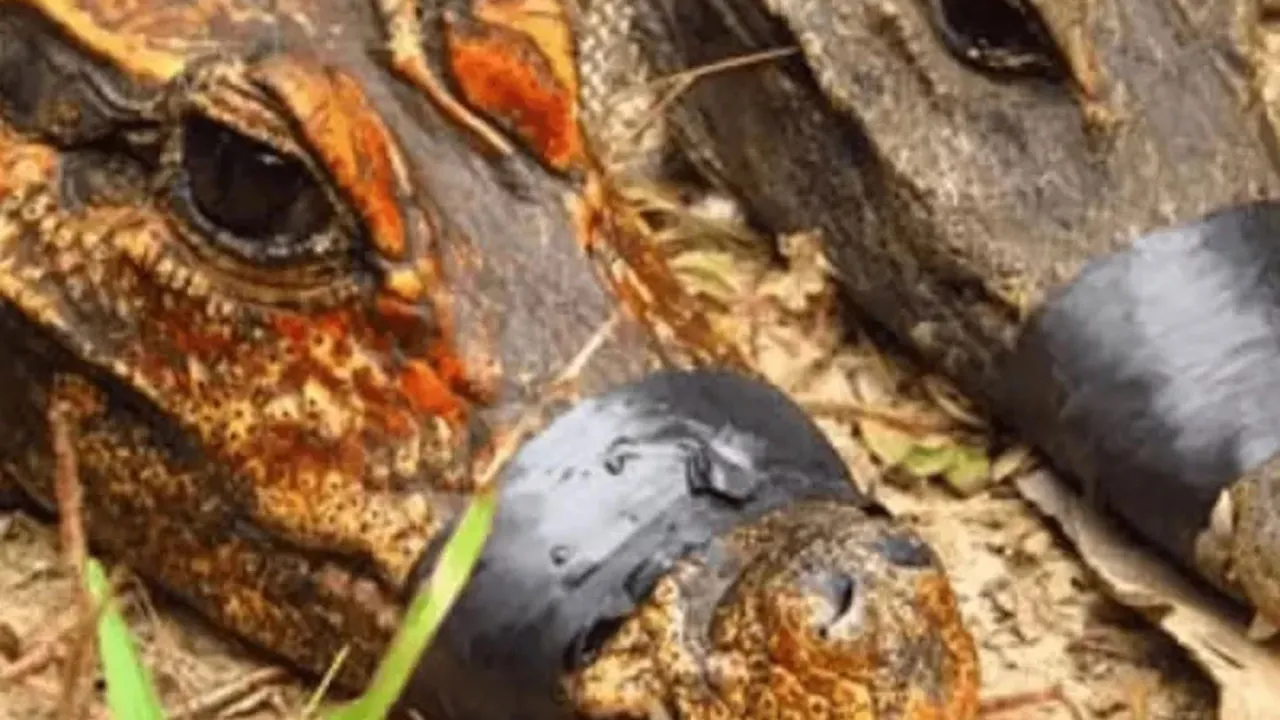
[246, 390]
[320, 397]
[545, 24]
[820, 622]
[509, 75]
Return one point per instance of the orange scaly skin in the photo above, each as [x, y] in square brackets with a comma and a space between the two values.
[302, 278]
[516, 64]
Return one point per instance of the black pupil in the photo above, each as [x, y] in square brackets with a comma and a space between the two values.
[249, 189]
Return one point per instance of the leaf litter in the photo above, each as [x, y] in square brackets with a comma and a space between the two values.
[1045, 625]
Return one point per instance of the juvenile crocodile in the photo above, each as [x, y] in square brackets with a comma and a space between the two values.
[1062, 205]
[294, 287]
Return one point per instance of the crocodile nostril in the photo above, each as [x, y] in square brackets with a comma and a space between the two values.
[904, 550]
[839, 593]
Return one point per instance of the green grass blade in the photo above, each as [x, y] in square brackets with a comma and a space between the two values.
[130, 695]
[429, 607]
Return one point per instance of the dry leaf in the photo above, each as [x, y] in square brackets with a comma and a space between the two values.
[970, 470]
[1011, 462]
[1247, 674]
[889, 445]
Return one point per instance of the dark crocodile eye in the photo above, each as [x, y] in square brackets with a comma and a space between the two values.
[249, 190]
[1004, 37]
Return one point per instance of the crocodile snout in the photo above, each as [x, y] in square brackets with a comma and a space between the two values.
[691, 543]
[838, 601]
[851, 612]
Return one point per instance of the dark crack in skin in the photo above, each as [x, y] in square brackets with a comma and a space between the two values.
[309, 281]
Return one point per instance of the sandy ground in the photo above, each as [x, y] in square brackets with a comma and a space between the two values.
[1052, 645]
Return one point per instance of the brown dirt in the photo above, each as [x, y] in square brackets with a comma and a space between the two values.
[1052, 646]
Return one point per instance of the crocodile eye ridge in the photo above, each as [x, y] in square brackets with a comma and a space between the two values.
[1002, 37]
[264, 204]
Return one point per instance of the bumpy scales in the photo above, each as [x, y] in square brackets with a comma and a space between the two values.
[313, 257]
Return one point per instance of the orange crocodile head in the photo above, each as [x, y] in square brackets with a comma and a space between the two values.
[305, 256]
[296, 265]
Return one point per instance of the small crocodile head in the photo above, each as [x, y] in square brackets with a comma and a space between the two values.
[299, 277]
[690, 546]
[830, 613]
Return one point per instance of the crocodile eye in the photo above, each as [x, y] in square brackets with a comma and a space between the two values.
[1004, 37]
[268, 204]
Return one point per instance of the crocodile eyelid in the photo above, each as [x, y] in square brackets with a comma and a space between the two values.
[333, 116]
[255, 111]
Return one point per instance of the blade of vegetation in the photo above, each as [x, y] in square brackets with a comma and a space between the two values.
[317, 696]
[425, 613]
[130, 694]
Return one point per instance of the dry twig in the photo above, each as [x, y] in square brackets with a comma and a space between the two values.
[78, 670]
[43, 650]
[1002, 704]
[230, 692]
[853, 411]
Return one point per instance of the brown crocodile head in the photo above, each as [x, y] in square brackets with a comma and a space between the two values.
[296, 280]
[963, 159]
